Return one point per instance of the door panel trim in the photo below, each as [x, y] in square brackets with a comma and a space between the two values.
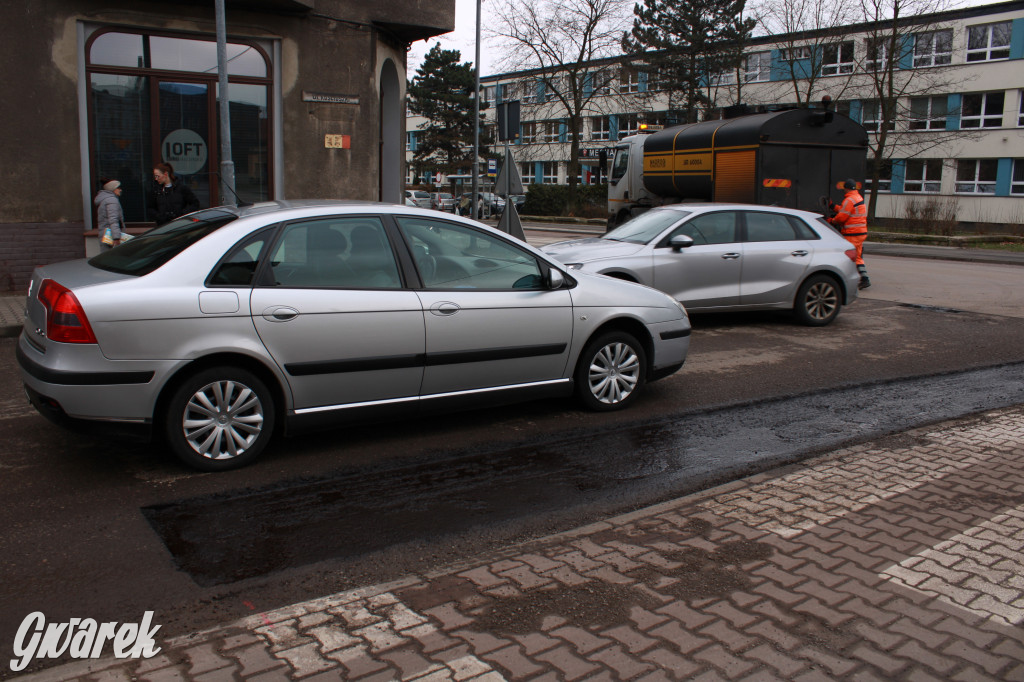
[453, 394]
[302, 369]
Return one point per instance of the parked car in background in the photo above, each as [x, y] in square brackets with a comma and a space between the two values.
[717, 257]
[519, 200]
[421, 198]
[216, 330]
[442, 201]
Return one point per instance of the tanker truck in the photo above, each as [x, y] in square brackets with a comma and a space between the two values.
[791, 158]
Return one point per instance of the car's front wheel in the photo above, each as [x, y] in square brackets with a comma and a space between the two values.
[220, 418]
[818, 302]
[611, 371]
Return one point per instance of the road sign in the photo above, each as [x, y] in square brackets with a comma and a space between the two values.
[492, 167]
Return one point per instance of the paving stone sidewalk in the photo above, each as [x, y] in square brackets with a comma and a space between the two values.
[895, 559]
[12, 314]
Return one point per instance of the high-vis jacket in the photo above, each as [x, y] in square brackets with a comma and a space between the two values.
[852, 217]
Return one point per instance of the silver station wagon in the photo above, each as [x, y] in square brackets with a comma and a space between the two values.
[727, 257]
[219, 328]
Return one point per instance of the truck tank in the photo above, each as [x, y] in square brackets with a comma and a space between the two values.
[790, 158]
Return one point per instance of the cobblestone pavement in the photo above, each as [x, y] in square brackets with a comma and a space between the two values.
[894, 559]
[12, 314]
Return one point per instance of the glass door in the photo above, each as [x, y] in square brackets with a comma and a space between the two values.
[186, 140]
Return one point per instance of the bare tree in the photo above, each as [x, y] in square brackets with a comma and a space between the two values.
[814, 44]
[568, 45]
[905, 109]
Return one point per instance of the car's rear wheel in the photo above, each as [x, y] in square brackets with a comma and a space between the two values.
[818, 302]
[611, 371]
[220, 418]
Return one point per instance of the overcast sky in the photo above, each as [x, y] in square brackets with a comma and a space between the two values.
[462, 38]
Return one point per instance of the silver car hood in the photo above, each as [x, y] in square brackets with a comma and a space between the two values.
[583, 250]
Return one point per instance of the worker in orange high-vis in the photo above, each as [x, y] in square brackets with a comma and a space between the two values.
[852, 220]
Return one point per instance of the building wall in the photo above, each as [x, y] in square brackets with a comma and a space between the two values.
[1004, 145]
[338, 49]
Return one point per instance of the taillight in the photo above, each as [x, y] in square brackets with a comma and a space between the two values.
[65, 319]
[851, 254]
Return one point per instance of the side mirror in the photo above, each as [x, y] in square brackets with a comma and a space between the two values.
[680, 242]
[555, 279]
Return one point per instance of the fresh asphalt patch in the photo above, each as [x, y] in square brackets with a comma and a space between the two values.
[227, 537]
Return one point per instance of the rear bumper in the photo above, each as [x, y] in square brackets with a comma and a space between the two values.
[96, 388]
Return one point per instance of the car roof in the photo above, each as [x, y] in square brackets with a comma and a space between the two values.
[705, 207]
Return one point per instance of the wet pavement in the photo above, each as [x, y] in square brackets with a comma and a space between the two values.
[895, 558]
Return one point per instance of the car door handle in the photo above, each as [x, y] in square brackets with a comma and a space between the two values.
[280, 314]
[445, 308]
[799, 252]
[730, 256]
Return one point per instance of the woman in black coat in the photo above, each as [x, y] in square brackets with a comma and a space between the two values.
[170, 198]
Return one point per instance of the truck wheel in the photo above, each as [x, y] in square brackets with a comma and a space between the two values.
[611, 371]
[219, 418]
[818, 302]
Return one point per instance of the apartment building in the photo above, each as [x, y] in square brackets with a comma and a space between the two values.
[954, 150]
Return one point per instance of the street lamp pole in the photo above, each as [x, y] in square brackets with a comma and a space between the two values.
[476, 118]
[227, 165]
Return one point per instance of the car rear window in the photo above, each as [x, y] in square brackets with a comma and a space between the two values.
[147, 252]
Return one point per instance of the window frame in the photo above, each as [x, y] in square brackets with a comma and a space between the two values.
[978, 186]
[763, 72]
[986, 53]
[933, 56]
[1017, 177]
[983, 108]
[603, 132]
[839, 66]
[914, 122]
[926, 183]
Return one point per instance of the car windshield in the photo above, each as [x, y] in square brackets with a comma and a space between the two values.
[646, 226]
[147, 252]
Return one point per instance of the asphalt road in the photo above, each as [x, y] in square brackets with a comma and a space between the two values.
[106, 529]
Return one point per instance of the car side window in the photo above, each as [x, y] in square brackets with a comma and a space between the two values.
[341, 252]
[450, 256]
[769, 227]
[708, 228]
[238, 268]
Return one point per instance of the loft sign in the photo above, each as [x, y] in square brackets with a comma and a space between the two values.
[186, 150]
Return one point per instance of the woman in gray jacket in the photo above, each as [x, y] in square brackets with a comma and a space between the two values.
[109, 213]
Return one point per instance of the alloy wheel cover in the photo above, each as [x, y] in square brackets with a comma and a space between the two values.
[614, 373]
[222, 419]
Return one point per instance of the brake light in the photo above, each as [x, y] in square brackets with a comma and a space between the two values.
[851, 254]
[65, 319]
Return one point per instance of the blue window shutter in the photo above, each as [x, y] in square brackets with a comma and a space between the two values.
[1004, 171]
[1017, 39]
[953, 103]
[899, 176]
[613, 127]
[906, 58]
[857, 110]
[538, 172]
[499, 93]
[642, 78]
[563, 131]
[588, 85]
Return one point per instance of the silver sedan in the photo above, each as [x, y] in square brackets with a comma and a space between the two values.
[719, 257]
[219, 328]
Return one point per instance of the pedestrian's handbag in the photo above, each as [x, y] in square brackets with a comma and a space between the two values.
[125, 236]
[108, 237]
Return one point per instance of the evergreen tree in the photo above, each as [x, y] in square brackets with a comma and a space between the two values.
[686, 44]
[442, 92]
